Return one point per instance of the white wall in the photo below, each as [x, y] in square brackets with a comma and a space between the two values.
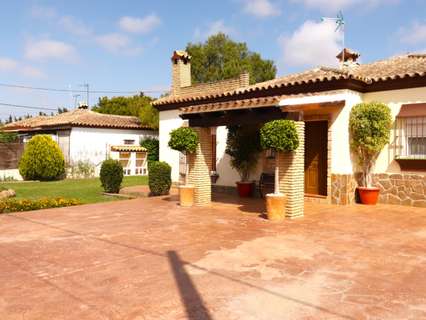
[93, 144]
[169, 120]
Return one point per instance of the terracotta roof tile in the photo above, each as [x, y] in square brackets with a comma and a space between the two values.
[409, 65]
[78, 118]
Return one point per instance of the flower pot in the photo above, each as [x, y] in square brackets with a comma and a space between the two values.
[368, 195]
[245, 189]
[275, 206]
[186, 195]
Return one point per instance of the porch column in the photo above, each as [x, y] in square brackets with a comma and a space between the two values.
[200, 164]
[292, 176]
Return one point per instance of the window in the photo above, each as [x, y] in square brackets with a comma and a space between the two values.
[410, 137]
[124, 159]
[129, 142]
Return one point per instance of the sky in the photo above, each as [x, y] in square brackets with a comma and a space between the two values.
[125, 46]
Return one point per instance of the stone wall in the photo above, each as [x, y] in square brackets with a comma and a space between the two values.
[343, 188]
[401, 189]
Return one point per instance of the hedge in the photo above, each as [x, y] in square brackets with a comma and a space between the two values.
[111, 175]
[159, 178]
[14, 205]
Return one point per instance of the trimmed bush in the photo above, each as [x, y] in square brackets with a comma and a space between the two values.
[14, 205]
[153, 148]
[184, 140]
[42, 160]
[111, 175]
[159, 178]
[280, 135]
[369, 127]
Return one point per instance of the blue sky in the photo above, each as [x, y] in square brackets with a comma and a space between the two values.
[126, 45]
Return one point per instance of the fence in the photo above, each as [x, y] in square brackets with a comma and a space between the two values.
[10, 154]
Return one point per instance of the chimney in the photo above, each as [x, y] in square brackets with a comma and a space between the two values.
[348, 58]
[244, 79]
[181, 71]
[83, 106]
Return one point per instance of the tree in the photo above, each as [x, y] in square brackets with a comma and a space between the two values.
[138, 106]
[221, 58]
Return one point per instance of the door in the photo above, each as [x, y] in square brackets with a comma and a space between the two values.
[316, 133]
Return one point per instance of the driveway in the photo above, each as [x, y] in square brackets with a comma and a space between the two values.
[150, 259]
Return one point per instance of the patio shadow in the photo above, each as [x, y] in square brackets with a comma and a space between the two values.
[191, 299]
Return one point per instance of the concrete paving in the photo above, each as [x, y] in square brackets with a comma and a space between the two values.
[150, 259]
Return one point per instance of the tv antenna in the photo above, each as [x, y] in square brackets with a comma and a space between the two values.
[339, 20]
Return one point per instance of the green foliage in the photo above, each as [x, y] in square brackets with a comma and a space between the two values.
[159, 178]
[82, 170]
[42, 160]
[153, 147]
[8, 137]
[111, 175]
[221, 58]
[280, 135]
[184, 140]
[138, 106]
[14, 205]
[369, 127]
[243, 146]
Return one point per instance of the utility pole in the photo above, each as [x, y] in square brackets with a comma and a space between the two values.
[86, 85]
[75, 96]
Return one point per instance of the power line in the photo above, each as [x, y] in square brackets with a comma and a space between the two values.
[8, 85]
[26, 107]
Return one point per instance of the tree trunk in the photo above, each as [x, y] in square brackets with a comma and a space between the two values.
[186, 168]
[277, 174]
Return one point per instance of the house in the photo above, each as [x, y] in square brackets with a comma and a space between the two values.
[320, 99]
[90, 137]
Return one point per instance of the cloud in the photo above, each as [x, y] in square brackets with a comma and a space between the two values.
[414, 35]
[213, 28]
[7, 64]
[11, 65]
[260, 8]
[332, 6]
[46, 49]
[312, 44]
[74, 26]
[139, 25]
[118, 43]
[43, 12]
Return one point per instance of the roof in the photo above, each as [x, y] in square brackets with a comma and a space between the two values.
[76, 118]
[128, 148]
[399, 67]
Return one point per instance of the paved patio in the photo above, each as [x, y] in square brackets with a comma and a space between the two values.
[150, 259]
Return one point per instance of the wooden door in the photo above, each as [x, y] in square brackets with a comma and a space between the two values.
[316, 157]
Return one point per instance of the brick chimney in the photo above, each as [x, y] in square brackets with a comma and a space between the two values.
[181, 71]
[348, 58]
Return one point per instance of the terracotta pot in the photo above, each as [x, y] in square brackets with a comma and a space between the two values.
[245, 189]
[275, 206]
[368, 195]
[186, 196]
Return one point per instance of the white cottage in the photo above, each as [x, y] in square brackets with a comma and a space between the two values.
[90, 137]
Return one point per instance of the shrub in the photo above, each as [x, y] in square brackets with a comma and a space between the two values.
[111, 175]
[82, 169]
[369, 127]
[14, 205]
[243, 146]
[280, 135]
[42, 160]
[8, 137]
[159, 178]
[184, 140]
[152, 146]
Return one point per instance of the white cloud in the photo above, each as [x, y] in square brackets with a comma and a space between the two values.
[43, 12]
[414, 35]
[7, 64]
[46, 49]
[11, 65]
[74, 26]
[312, 44]
[139, 25]
[332, 6]
[118, 43]
[260, 8]
[213, 28]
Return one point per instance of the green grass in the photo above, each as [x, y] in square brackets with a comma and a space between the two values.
[86, 190]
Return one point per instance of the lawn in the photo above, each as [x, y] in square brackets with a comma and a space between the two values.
[86, 190]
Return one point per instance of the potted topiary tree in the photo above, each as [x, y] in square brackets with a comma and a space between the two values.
[243, 146]
[186, 141]
[369, 127]
[280, 136]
